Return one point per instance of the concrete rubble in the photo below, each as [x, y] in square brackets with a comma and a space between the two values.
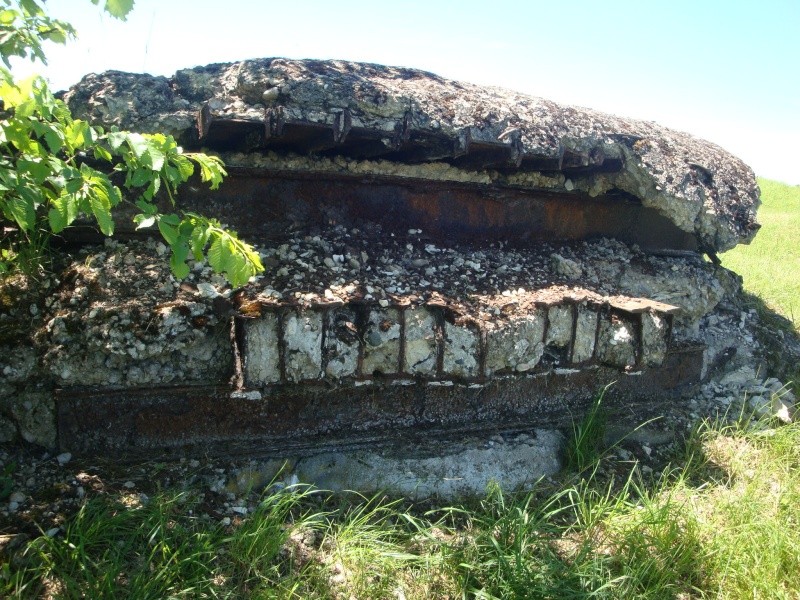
[408, 294]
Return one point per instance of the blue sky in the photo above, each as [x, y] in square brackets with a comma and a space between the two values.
[724, 71]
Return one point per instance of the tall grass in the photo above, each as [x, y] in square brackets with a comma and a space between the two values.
[722, 524]
[771, 263]
[585, 447]
[123, 548]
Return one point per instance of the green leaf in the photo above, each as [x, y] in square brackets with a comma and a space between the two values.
[239, 271]
[253, 258]
[228, 255]
[168, 230]
[143, 222]
[16, 92]
[212, 169]
[38, 170]
[146, 207]
[217, 255]
[155, 185]
[31, 7]
[116, 139]
[173, 220]
[101, 153]
[184, 166]
[74, 181]
[7, 17]
[72, 208]
[20, 210]
[57, 220]
[138, 144]
[54, 140]
[177, 262]
[101, 209]
[155, 158]
[45, 156]
[114, 193]
[199, 239]
[17, 210]
[78, 134]
[59, 36]
[141, 177]
[179, 269]
[18, 135]
[63, 212]
[25, 109]
[119, 9]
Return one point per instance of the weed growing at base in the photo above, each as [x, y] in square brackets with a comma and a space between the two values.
[586, 445]
[723, 523]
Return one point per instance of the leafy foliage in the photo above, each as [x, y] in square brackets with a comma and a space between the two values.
[117, 8]
[24, 27]
[55, 169]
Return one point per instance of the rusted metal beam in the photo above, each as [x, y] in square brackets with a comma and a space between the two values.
[342, 124]
[260, 203]
[274, 120]
[481, 154]
[130, 424]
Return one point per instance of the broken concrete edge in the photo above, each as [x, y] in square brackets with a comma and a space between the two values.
[400, 113]
[62, 315]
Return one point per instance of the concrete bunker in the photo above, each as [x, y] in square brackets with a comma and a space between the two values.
[442, 260]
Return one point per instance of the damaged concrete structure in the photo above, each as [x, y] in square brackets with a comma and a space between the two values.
[442, 259]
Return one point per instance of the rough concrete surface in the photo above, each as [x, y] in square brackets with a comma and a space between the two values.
[448, 471]
[261, 359]
[517, 346]
[420, 342]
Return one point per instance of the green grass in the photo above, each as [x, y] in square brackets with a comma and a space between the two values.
[771, 263]
[121, 548]
[586, 444]
[722, 524]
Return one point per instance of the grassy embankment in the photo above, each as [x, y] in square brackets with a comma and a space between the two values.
[723, 523]
[770, 265]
